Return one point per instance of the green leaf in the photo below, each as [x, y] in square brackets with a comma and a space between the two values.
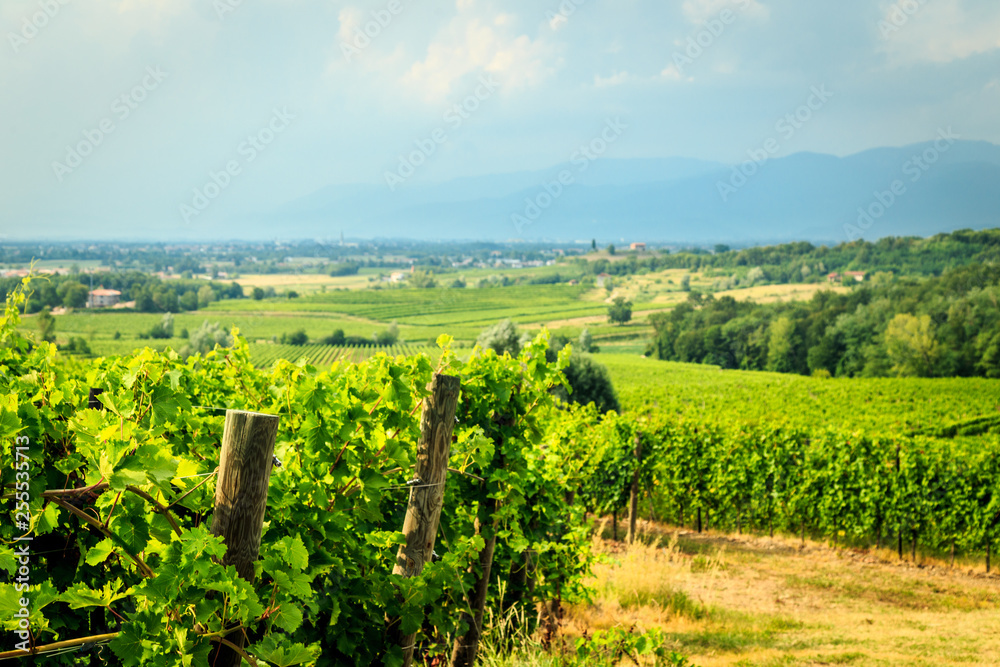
[289, 617]
[79, 596]
[100, 552]
[132, 532]
[8, 561]
[128, 645]
[127, 475]
[283, 654]
[48, 520]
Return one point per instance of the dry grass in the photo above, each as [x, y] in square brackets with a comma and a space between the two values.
[774, 293]
[304, 283]
[741, 600]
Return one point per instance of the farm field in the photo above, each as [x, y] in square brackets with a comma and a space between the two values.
[266, 354]
[883, 405]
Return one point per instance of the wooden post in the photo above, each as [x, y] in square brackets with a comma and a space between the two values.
[241, 498]
[633, 507]
[427, 495]
[94, 403]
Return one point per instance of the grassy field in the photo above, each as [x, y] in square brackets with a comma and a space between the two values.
[885, 405]
[728, 600]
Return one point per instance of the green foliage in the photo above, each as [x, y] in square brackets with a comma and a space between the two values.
[46, 324]
[502, 338]
[346, 442]
[336, 338]
[297, 338]
[164, 328]
[206, 338]
[589, 382]
[939, 326]
[620, 311]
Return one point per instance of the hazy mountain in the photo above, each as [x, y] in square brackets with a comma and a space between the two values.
[938, 187]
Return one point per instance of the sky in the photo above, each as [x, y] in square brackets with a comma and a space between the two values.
[116, 114]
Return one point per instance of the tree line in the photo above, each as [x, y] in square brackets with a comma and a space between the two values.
[942, 326]
[150, 293]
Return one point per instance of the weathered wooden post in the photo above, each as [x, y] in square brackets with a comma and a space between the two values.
[427, 495]
[633, 508]
[241, 498]
[93, 402]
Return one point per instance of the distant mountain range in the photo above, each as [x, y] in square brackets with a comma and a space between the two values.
[920, 189]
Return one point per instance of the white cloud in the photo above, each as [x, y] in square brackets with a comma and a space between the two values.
[700, 11]
[616, 79]
[480, 41]
[941, 32]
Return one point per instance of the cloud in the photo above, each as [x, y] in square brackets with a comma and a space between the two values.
[616, 79]
[700, 11]
[480, 40]
[912, 31]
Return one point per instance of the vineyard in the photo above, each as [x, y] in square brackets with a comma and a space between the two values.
[408, 499]
[266, 354]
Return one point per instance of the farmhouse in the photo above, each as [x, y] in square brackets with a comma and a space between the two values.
[641, 247]
[859, 276]
[104, 298]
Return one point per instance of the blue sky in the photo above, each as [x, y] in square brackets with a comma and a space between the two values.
[184, 90]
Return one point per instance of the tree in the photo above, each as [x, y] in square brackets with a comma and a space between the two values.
[593, 244]
[620, 311]
[502, 338]
[206, 295]
[590, 383]
[781, 346]
[611, 249]
[686, 282]
[911, 345]
[299, 337]
[74, 294]
[336, 338]
[258, 293]
[165, 299]
[587, 341]
[188, 301]
[46, 326]
[422, 280]
[389, 337]
[205, 338]
[164, 328]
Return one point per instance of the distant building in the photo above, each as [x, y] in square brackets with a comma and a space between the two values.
[641, 247]
[104, 298]
[858, 276]
[602, 280]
